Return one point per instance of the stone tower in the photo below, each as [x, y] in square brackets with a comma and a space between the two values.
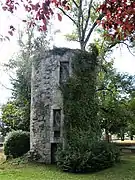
[46, 125]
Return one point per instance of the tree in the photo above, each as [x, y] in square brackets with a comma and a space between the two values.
[16, 112]
[13, 118]
[131, 122]
[118, 15]
[119, 18]
[21, 91]
[85, 19]
[113, 91]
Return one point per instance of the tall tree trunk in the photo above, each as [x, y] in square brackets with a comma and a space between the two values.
[131, 137]
[82, 45]
[107, 136]
[122, 135]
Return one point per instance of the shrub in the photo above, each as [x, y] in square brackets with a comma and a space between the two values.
[104, 156]
[16, 143]
[101, 155]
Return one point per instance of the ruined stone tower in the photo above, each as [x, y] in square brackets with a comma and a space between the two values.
[46, 126]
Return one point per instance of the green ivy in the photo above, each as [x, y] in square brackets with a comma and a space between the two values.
[83, 151]
[60, 51]
[79, 99]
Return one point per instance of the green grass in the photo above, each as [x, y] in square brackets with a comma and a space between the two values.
[23, 171]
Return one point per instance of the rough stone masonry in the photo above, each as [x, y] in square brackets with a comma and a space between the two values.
[49, 70]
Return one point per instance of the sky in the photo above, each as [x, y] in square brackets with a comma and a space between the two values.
[124, 61]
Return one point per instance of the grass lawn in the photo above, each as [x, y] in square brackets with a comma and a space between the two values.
[23, 171]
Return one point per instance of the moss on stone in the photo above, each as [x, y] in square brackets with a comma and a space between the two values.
[60, 51]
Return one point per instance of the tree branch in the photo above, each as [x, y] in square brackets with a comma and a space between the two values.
[75, 3]
[79, 21]
[121, 42]
[6, 71]
[102, 89]
[128, 48]
[93, 27]
[87, 20]
[6, 87]
[68, 16]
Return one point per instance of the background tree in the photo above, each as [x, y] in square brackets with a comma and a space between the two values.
[118, 15]
[113, 91]
[16, 113]
[13, 118]
[118, 20]
[84, 17]
[131, 107]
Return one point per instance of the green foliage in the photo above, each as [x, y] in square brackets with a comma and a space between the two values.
[13, 118]
[16, 112]
[80, 107]
[131, 121]
[98, 156]
[113, 90]
[59, 51]
[72, 37]
[81, 125]
[17, 143]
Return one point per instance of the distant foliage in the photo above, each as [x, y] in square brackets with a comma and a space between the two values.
[14, 117]
[16, 112]
[114, 91]
[99, 156]
[16, 144]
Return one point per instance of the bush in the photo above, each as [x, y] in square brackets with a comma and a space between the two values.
[100, 156]
[17, 143]
[104, 156]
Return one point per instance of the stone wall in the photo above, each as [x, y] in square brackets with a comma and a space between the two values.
[45, 98]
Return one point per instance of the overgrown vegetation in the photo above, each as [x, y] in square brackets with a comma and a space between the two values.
[83, 150]
[95, 157]
[79, 99]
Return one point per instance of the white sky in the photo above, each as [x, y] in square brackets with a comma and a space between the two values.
[124, 61]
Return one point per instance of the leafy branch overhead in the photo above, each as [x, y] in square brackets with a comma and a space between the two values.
[115, 16]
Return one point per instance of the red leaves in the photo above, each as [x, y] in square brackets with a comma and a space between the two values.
[44, 21]
[11, 31]
[119, 18]
[4, 8]
[119, 15]
[12, 28]
[24, 20]
[59, 17]
[37, 6]
[44, 27]
[41, 11]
